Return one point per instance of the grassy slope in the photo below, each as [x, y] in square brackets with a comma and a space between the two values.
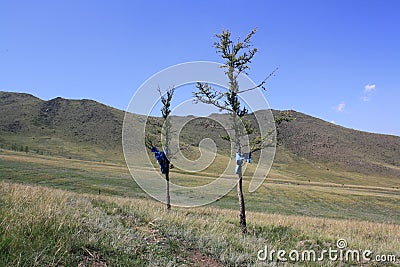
[42, 226]
[279, 194]
[82, 129]
[323, 142]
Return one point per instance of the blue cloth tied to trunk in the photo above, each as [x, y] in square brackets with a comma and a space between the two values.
[248, 157]
[161, 159]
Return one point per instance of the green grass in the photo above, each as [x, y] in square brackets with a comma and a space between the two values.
[280, 194]
[52, 145]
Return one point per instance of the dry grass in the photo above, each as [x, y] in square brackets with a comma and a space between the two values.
[381, 237]
[43, 226]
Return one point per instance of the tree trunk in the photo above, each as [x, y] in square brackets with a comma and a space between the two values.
[242, 208]
[168, 198]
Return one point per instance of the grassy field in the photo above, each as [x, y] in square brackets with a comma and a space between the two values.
[52, 214]
[49, 227]
[283, 192]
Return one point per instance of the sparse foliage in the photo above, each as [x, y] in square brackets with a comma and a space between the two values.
[165, 131]
[165, 112]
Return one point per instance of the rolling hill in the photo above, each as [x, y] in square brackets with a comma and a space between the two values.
[86, 129]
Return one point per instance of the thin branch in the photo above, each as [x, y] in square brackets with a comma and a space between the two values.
[260, 85]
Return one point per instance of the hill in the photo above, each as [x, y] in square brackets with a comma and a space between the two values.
[71, 128]
[86, 129]
[321, 141]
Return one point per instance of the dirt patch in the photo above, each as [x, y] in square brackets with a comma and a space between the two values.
[92, 259]
[200, 260]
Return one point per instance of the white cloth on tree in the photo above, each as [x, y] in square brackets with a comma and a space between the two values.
[239, 163]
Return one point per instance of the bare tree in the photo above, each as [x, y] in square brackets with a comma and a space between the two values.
[163, 157]
[237, 56]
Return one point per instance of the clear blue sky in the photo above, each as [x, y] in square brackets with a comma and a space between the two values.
[339, 60]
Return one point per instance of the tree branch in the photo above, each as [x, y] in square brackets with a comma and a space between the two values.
[260, 142]
[260, 85]
[208, 95]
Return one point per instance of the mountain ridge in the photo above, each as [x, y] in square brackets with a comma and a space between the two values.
[86, 123]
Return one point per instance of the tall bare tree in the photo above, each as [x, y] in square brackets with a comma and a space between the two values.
[237, 56]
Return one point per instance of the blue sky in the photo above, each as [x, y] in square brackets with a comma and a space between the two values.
[339, 60]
